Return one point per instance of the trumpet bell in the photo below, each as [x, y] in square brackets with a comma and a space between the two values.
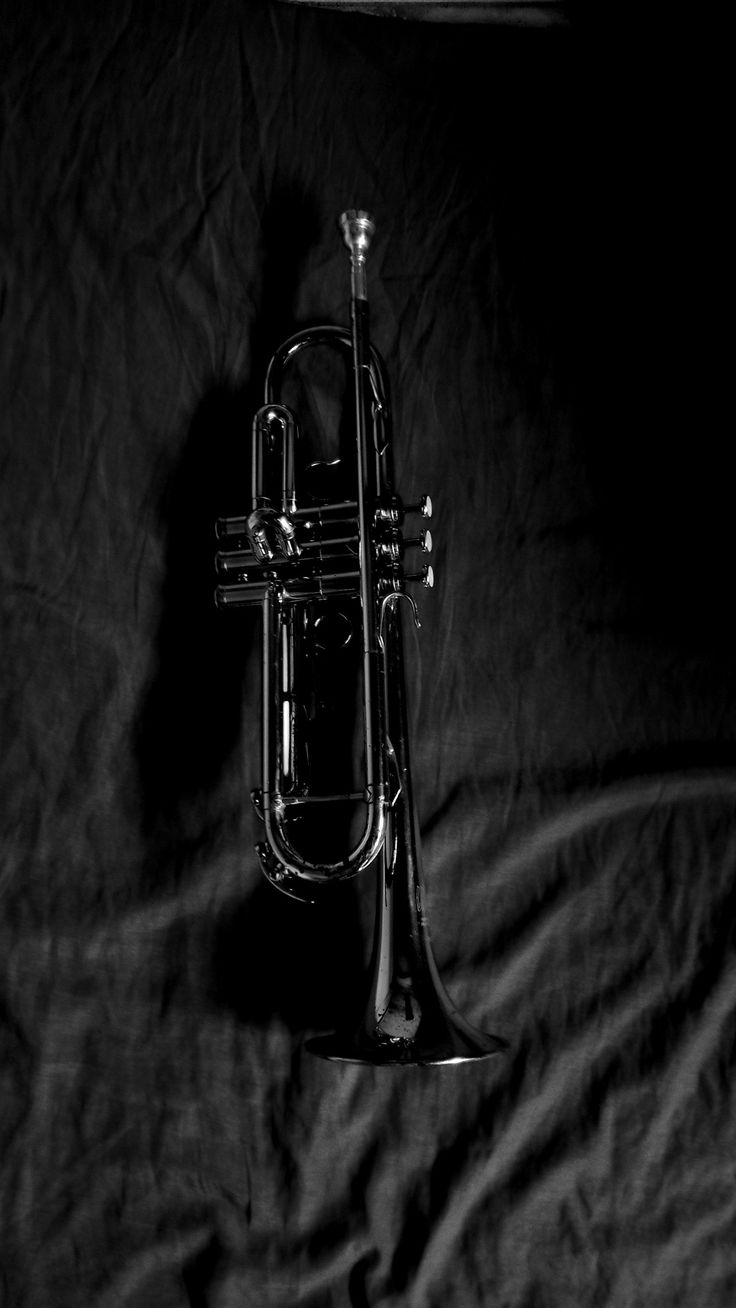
[420, 1027]
[408, 1017]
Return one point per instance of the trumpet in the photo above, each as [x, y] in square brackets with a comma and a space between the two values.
[323, 553]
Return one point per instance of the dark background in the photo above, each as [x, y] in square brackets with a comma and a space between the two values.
[549, 289]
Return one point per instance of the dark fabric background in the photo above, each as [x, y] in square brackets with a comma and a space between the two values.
[547, 284]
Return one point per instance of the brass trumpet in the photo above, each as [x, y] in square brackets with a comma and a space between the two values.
[327, 568]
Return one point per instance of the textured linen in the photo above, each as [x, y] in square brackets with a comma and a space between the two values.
[544, 284]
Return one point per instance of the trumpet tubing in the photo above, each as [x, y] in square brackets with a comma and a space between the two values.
[326, 564]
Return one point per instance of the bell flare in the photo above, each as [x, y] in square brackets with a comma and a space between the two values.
[455, 1044]
[333, 1049]
[412, 1023]
[406, 1016]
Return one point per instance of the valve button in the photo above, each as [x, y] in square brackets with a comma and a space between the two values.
[426, 576]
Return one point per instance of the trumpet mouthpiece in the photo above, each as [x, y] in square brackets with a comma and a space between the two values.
[357, 229]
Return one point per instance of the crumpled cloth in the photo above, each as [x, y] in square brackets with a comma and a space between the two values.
[171, 180]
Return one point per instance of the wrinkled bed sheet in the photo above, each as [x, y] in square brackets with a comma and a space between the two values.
[547, 239]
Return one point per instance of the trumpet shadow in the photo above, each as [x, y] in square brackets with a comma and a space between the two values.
[190, 726]
[302, 962]
[190, 720]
